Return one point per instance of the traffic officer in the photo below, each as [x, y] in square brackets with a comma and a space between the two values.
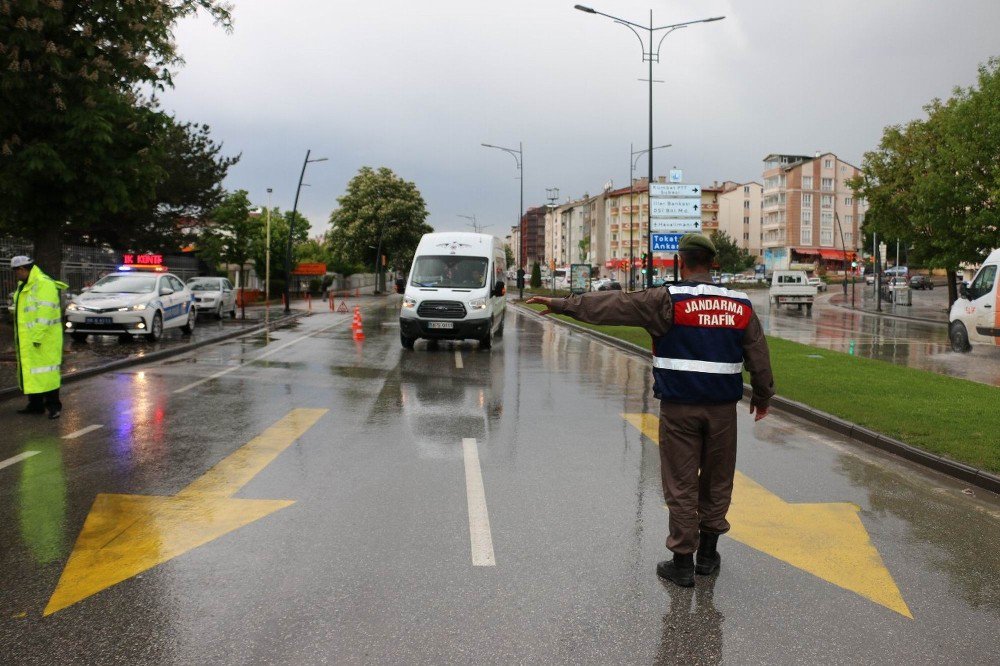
[703, 335]
[38, 337]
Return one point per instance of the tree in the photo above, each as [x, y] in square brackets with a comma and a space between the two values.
[508, 255]
[933, 183]
[536, 276]
[378, 205]
[279, 237]
[78, 135]
[233, 235]
[731, 257]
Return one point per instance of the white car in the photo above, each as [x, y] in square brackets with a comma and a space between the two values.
[131, 303]
[818, 283]
[213, 295]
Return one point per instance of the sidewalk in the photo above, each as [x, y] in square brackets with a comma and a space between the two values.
[928, 306]
[100, 351]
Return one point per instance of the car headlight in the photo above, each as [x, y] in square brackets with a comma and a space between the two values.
[138, 306]
[72, 307]
[478, 304]
[409, 303]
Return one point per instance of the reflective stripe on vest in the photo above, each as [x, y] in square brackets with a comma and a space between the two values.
[43, 322]
[688, 365]
[45, 368]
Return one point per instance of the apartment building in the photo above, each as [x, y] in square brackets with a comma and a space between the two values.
[710, 208]
[571, 229]
[740, 215]
[626, 225]
[810, 215]
[532, 237]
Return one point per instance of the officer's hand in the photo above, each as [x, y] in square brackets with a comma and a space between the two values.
[541, 300]
[761, 412]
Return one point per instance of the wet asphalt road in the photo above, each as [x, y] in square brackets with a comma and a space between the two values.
[374, 562]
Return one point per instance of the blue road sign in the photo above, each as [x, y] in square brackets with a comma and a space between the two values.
[665, 242]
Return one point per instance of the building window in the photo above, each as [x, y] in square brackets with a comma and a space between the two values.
[848, 239]
[807, 182]
[848, 201]
[746, 203]
[746, 221]
[807, 217]
[746, 189]
[849, 219]
[806, 236]
[826, 184]
[807, 200]
[825, 238]
[827, 164]
[827, 201]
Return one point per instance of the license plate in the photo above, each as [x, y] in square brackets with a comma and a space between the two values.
[98, 320]
[441, 324]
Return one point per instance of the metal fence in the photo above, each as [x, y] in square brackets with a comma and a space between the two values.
[81, 267]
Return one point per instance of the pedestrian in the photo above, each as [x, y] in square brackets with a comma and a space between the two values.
[520, 282]
[703, 335]
[38, 337]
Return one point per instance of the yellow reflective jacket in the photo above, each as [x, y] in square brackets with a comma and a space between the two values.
[38, 332]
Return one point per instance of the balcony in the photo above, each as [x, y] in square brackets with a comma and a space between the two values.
[710, 207]
[614, 210]
[614, 227]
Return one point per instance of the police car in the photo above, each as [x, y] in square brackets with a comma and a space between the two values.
[132, 302]
[975, 316]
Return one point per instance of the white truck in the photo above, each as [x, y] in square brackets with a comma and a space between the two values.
[792, 288]
[975, 316]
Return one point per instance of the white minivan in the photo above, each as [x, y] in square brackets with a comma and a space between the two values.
[975, 316]
[456, 289]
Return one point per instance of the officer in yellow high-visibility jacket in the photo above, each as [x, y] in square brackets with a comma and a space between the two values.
[38, 337]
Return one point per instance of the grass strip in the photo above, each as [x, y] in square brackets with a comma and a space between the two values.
[951, 417]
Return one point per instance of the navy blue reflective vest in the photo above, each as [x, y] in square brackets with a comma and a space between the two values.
[699, 360]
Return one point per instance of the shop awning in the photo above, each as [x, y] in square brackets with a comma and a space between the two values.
[805, 250]
[837, 254]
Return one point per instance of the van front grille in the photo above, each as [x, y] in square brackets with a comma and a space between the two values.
[441, 310]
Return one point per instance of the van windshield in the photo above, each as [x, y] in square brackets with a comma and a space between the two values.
[449, 271]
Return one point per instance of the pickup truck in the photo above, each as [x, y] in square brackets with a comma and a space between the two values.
[792, 288]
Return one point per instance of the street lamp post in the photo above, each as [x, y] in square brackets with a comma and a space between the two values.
[518, 156]
[291, 230]
[650, 56]
[635, 155]
[552, 194]
[267, 265]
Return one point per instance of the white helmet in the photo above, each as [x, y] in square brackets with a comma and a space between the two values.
[20, 260]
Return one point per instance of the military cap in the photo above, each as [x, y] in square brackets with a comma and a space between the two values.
[696, 241]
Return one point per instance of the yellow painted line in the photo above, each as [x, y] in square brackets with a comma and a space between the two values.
[236, 470]
[125, 535]
[827, 540]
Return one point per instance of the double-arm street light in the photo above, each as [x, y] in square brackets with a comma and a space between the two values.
[518, 156]
[291, 231]
[650, 55]
[636, 154]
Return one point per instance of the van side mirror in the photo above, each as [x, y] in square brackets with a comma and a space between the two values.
[400, 285]
[499, 289]
[964, 292]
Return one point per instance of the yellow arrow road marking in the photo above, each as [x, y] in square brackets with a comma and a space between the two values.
[827, 540]
[125, 535]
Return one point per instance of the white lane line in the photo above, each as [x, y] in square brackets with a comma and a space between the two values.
[83, 431]
[254, 359]
[479, 518]
[458, 359]
[18, 458]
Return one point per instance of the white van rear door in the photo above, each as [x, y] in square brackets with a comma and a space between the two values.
[984, 288]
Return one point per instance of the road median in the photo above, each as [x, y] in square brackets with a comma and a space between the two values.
[947, 424]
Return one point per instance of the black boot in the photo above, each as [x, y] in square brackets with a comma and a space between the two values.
[679, 571]
[709, 559]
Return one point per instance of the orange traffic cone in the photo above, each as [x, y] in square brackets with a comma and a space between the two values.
[359, 331]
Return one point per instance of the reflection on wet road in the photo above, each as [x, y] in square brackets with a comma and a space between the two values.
[316, 500]
[915, 344]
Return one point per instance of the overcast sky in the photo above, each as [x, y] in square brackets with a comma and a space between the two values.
[417, 86]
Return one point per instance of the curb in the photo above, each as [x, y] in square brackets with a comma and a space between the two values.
[956, 470]
[86, 373]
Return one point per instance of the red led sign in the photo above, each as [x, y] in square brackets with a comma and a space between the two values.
[142, 259]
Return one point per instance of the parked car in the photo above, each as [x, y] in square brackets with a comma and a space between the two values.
[131, 303]
[611, 285]
[213, 295]
[921, 282]
[597, 284]
[818, 283]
